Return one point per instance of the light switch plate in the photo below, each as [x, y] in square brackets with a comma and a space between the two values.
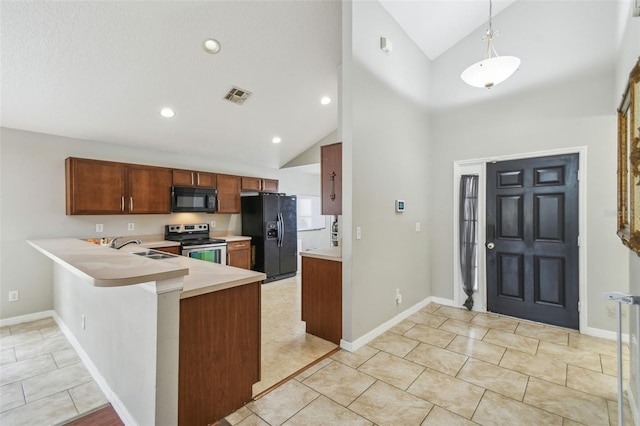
[418, 226]
[358, 233]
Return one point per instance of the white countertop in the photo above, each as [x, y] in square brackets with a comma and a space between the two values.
[232, 238]
[106, 267]
[331, 253]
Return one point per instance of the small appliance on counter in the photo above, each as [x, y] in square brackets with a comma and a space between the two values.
[195, 242]
[334, 231]
[271, 221]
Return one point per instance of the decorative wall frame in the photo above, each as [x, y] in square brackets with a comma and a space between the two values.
[629, 163]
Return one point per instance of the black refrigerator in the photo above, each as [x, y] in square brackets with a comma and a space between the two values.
[271, 222]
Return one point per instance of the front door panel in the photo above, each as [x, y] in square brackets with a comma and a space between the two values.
[532, 221]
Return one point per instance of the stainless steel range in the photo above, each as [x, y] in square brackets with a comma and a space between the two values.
[196, 243]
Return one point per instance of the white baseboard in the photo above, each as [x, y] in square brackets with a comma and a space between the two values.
[361, 341]
[117, 404]
[26, 318]
[605, 334]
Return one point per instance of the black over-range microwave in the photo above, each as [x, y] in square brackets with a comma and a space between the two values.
[188, 199]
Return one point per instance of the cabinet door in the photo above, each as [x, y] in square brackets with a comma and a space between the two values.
[183, 178]
[251, 184]
[149, 190]
[239, 254]
[269, 185]
[331, 178]
[228, 194]
[94, 187]
[205, 179]
[169, 249]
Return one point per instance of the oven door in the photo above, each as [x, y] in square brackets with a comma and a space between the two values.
[212, 253]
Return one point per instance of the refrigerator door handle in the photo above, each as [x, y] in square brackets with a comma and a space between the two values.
[283, 230]
[279, 229]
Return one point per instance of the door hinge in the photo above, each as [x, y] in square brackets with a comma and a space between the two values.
[578, 175]
[579, 306]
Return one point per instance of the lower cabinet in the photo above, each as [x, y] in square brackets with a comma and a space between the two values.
[219, 353]
[322, 298]
[169, 249]
[239, 254]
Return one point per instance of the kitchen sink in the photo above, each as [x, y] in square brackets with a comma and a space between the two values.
[152, 254]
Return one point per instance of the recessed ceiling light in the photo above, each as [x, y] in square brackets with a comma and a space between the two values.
[211, 45]
[325, 100]
[167, 112]
[276, 140]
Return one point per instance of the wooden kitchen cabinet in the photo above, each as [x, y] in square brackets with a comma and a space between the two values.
[331, 178]
[228, 194]
[105, 187]
[194, 178]
[251, 184]
[169, 249]
[322, 298]
[219, 358]
[239, 254]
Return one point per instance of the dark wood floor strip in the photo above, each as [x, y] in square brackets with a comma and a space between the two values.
[106, 416]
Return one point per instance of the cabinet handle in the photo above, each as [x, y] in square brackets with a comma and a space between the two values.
[332, 178]
[218, 203]
[198, 179]
[122, 203]
[131, 204]
[191, 178]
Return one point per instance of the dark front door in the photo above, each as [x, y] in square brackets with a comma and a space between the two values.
[532, 239]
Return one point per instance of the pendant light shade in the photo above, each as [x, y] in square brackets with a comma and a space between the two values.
[493, 69]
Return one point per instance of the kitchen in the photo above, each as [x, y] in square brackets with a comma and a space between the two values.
[424, 146]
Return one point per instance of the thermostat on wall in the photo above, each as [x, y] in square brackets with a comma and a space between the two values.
[399, 206]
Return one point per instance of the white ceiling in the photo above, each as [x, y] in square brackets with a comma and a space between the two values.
[437, 25]
[102, 70]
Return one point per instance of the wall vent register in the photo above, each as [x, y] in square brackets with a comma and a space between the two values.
[237, 95]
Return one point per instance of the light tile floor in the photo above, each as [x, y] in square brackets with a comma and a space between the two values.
[286, 347]
[448, 366]
[42, 379]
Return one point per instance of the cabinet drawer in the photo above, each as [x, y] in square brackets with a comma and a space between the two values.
[238, 245]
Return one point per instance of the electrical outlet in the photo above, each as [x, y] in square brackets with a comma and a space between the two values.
[99, 227]
[418, 226]
[213, 223]
[358, 233]
[131, 226]
[14, 296]
[398, 296]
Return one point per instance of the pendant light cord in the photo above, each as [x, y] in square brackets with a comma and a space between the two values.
[490, 34]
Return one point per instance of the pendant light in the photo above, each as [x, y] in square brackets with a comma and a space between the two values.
[493, 69]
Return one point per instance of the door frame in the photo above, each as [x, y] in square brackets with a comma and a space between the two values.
[478, 167]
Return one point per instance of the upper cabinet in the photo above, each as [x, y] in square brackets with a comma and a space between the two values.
[331, 178]
[259, 185]
[194, 178]
[228, 194]
[103, 187]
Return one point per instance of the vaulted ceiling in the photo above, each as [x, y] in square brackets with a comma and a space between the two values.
[102, 70]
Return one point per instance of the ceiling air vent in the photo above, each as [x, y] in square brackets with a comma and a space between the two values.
[237, 95]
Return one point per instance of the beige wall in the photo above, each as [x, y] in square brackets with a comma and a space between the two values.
[385, 131]
[32, 194]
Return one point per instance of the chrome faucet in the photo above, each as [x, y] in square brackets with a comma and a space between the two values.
[113, 244]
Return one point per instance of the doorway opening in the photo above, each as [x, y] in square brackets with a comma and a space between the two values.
[479, 168]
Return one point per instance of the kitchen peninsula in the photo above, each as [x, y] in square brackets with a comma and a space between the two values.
[170, 341]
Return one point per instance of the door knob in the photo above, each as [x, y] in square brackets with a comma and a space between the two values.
[490, 246]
